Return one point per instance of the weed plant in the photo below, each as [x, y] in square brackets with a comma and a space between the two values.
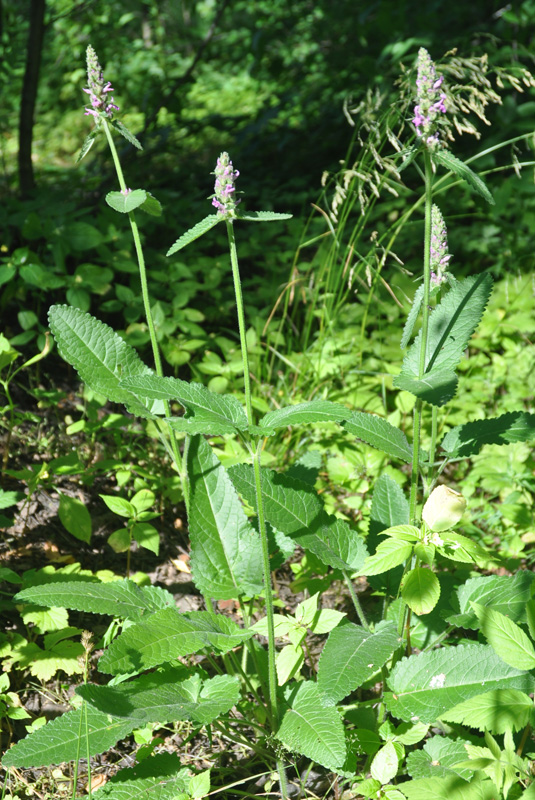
[428, 693]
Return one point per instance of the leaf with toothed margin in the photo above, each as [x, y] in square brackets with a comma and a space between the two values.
[194, 233]
[263, 216]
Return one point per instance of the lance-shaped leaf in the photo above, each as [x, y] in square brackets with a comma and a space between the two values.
[226, 557]
[506, 638]
[505, 593]
[458, 167]
[128, 135]
[303, 413]
[160, 777]
[87, 145]
[194, 233]
[58, 740]
[206, 410]
[351, 656]
[429, 684]
[451, 325]
[118, 598]
[264, 216]
[467, 440]
[294, 508]
[378, 433]
[167, 635]
[389, 508]
[412, 317]
[311, 728]
[166, 696]
[497, 711]
[100, 357]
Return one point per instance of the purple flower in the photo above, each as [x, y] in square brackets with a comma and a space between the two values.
[224, 190]
[430, 102]
[98, 89]
[439, 248]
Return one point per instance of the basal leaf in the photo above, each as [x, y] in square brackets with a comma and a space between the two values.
[429, 684]
[420, 589]
[505, 593]
[451, 325]
[312, 729]
[412, 317]
[226, 558]
[100, 356]
[303, 413]
[497, 711]
[128, 135]
[458, 167]
[506, 638]
[351, 656]
[160, 777]
[194, 233]
[167, 635]
[57, 741]
[264, 216]
[165, 696]
[467, 440]
[378, 433]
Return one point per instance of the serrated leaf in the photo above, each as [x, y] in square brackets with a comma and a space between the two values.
[194, 233]
[388, 555]
[506, 638]
[505, 593]
[58, 740]
[420, 589]
[449, 788]
[118, 598]
[125, 203]
[160, 777]
[128, 135]
[166, 696]
[351, 656]
[264, 216]
[451, 324]
[462, 170]
[378, 433]
[497, 711]
[74, 517]
[429, 684]
[87, 145]
[312, 729]
[412, 317]
[305, 413]
[385, 763]
[226, 557]
[100, 356]
[467, 440]
[438, 758]
[167, 635]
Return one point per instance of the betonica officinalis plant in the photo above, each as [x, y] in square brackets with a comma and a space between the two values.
[422, 691]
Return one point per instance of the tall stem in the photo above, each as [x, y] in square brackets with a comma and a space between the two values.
[241, 320]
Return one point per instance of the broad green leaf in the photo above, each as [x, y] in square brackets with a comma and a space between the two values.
[467, 440]
[336, 544]
[412, 317]
[389, 508]
[429, 684]
[451, 325]
[128, 135]
[530, 614]
[146, 536]
[351, 656]
[207, 407]
[385, 763]
[388, 555]
[226, 558]
[119, 505]
[497, 711]
[166, 696]
[461, 548]
[203, 422]
[160, 777]
[194, 233]
[420, 589]
[124, 203]
[74, 517]
[438, 758]
[288, 662]
[303, 413]
[264, 216]
[506, 638]
[462, 170]
[123, 599]
[451, 787]
[505, 593]
[167, 635]
[312, 729]
[100, 356]
[378, 433]
[403, 533]
[57, 741]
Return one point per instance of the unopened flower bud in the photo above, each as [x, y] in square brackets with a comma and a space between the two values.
[99, 90]
[224, 198]
[443, 508]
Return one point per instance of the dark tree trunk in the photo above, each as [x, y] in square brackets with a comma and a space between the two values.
[29, 95]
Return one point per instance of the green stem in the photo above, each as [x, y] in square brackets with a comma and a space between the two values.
[356, 601]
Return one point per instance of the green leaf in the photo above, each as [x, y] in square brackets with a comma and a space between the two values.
[451, 325]
[128, 135]
[165, 696]
[438, 758]
[429, 684]
[506, 638]
[87, 145]
[505, 593]
[146, 536]
[100, 356]
[462, 170]
[467, 440]
[388, 555]
[264, 216]
[75, 517]
[497, 711]
[151, 206]
[167, 635]
[198, 230]
[351, 656]
[412, 317]
[119, 505]
[385, 763]
[420, 589]
[312, 729]
[125, 203]
[449, 788]
[226, 558]
[160, 777]
[378, 433]
[58, 740]
[304, 413]
[123, 599]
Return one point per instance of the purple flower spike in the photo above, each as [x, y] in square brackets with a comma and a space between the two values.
[224, 189]
[439, 248]
[98, 89]
[431, 103]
